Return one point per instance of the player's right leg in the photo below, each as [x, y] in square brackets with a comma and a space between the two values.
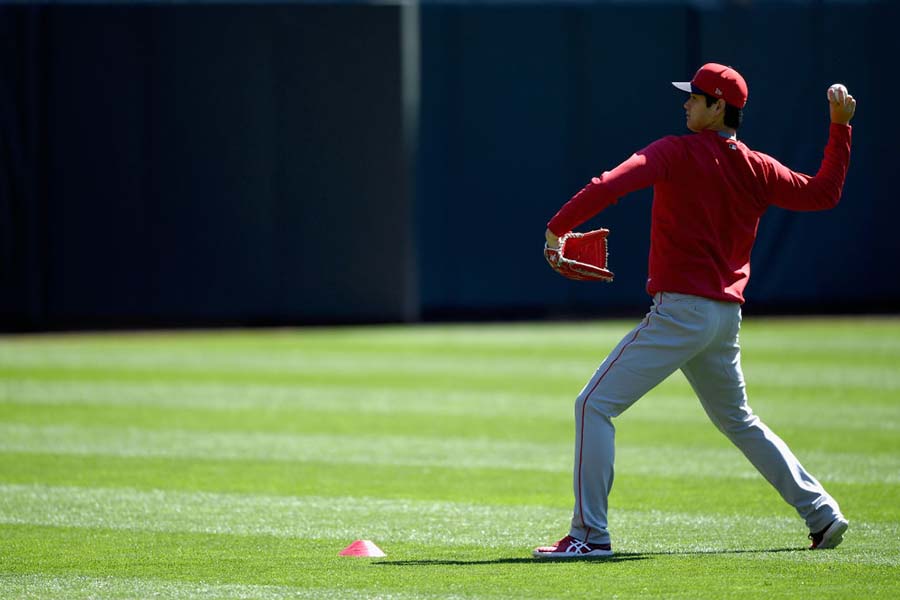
[717, 378]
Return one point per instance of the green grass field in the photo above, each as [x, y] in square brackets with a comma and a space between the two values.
[238, 464]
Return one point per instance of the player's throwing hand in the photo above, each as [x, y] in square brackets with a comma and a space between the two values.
[843, 105]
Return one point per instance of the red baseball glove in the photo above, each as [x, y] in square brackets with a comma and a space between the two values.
[581, 256]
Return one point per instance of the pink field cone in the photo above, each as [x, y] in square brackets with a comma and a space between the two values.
[362, 548]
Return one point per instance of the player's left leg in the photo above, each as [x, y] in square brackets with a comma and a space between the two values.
[717, 379]
[671, 333]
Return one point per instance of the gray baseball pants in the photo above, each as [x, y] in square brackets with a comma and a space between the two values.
[700, 337]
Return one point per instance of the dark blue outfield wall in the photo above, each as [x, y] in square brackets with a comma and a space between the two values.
[207, 164]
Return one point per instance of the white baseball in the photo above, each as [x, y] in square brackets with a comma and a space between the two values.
[834, 89]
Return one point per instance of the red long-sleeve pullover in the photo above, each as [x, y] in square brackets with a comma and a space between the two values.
[709, 193]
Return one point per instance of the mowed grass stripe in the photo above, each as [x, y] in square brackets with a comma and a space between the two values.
[361, 448]
[644, 424]
[302, 517]
[362, 379]
[449, 571]
[882, 412]
[341, 361]
[713, 495]
[431, 372]
[402, 521]
[461, 453]
[81, 587]
[337, 397]
[503, 340]
[535, 418]
[858, 354]
[852, 335]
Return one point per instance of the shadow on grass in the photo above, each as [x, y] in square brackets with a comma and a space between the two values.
[508, 561]
[615, 558]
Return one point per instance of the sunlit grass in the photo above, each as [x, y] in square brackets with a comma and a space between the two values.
[237, 464]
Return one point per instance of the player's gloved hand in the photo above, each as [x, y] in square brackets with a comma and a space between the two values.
[579, 256]
[552, 240]
[841, 104]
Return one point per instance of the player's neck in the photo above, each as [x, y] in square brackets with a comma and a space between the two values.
[723, 131]
[718, 125]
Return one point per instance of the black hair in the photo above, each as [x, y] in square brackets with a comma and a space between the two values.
[734, 116]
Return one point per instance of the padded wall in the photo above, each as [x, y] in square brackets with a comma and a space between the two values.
[178, 164]
[195, 164]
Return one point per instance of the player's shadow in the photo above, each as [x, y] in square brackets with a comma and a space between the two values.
[615, 558]
[508, 561]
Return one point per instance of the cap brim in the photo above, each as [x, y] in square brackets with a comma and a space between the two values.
[684, 86]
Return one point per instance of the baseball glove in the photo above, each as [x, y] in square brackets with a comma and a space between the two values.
[581, 256]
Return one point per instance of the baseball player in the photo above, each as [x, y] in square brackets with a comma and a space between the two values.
[709, 192]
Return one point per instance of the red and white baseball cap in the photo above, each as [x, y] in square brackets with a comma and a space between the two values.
[717, 81]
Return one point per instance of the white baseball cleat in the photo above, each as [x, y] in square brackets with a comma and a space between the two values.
[831, 536]
[569, 547]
